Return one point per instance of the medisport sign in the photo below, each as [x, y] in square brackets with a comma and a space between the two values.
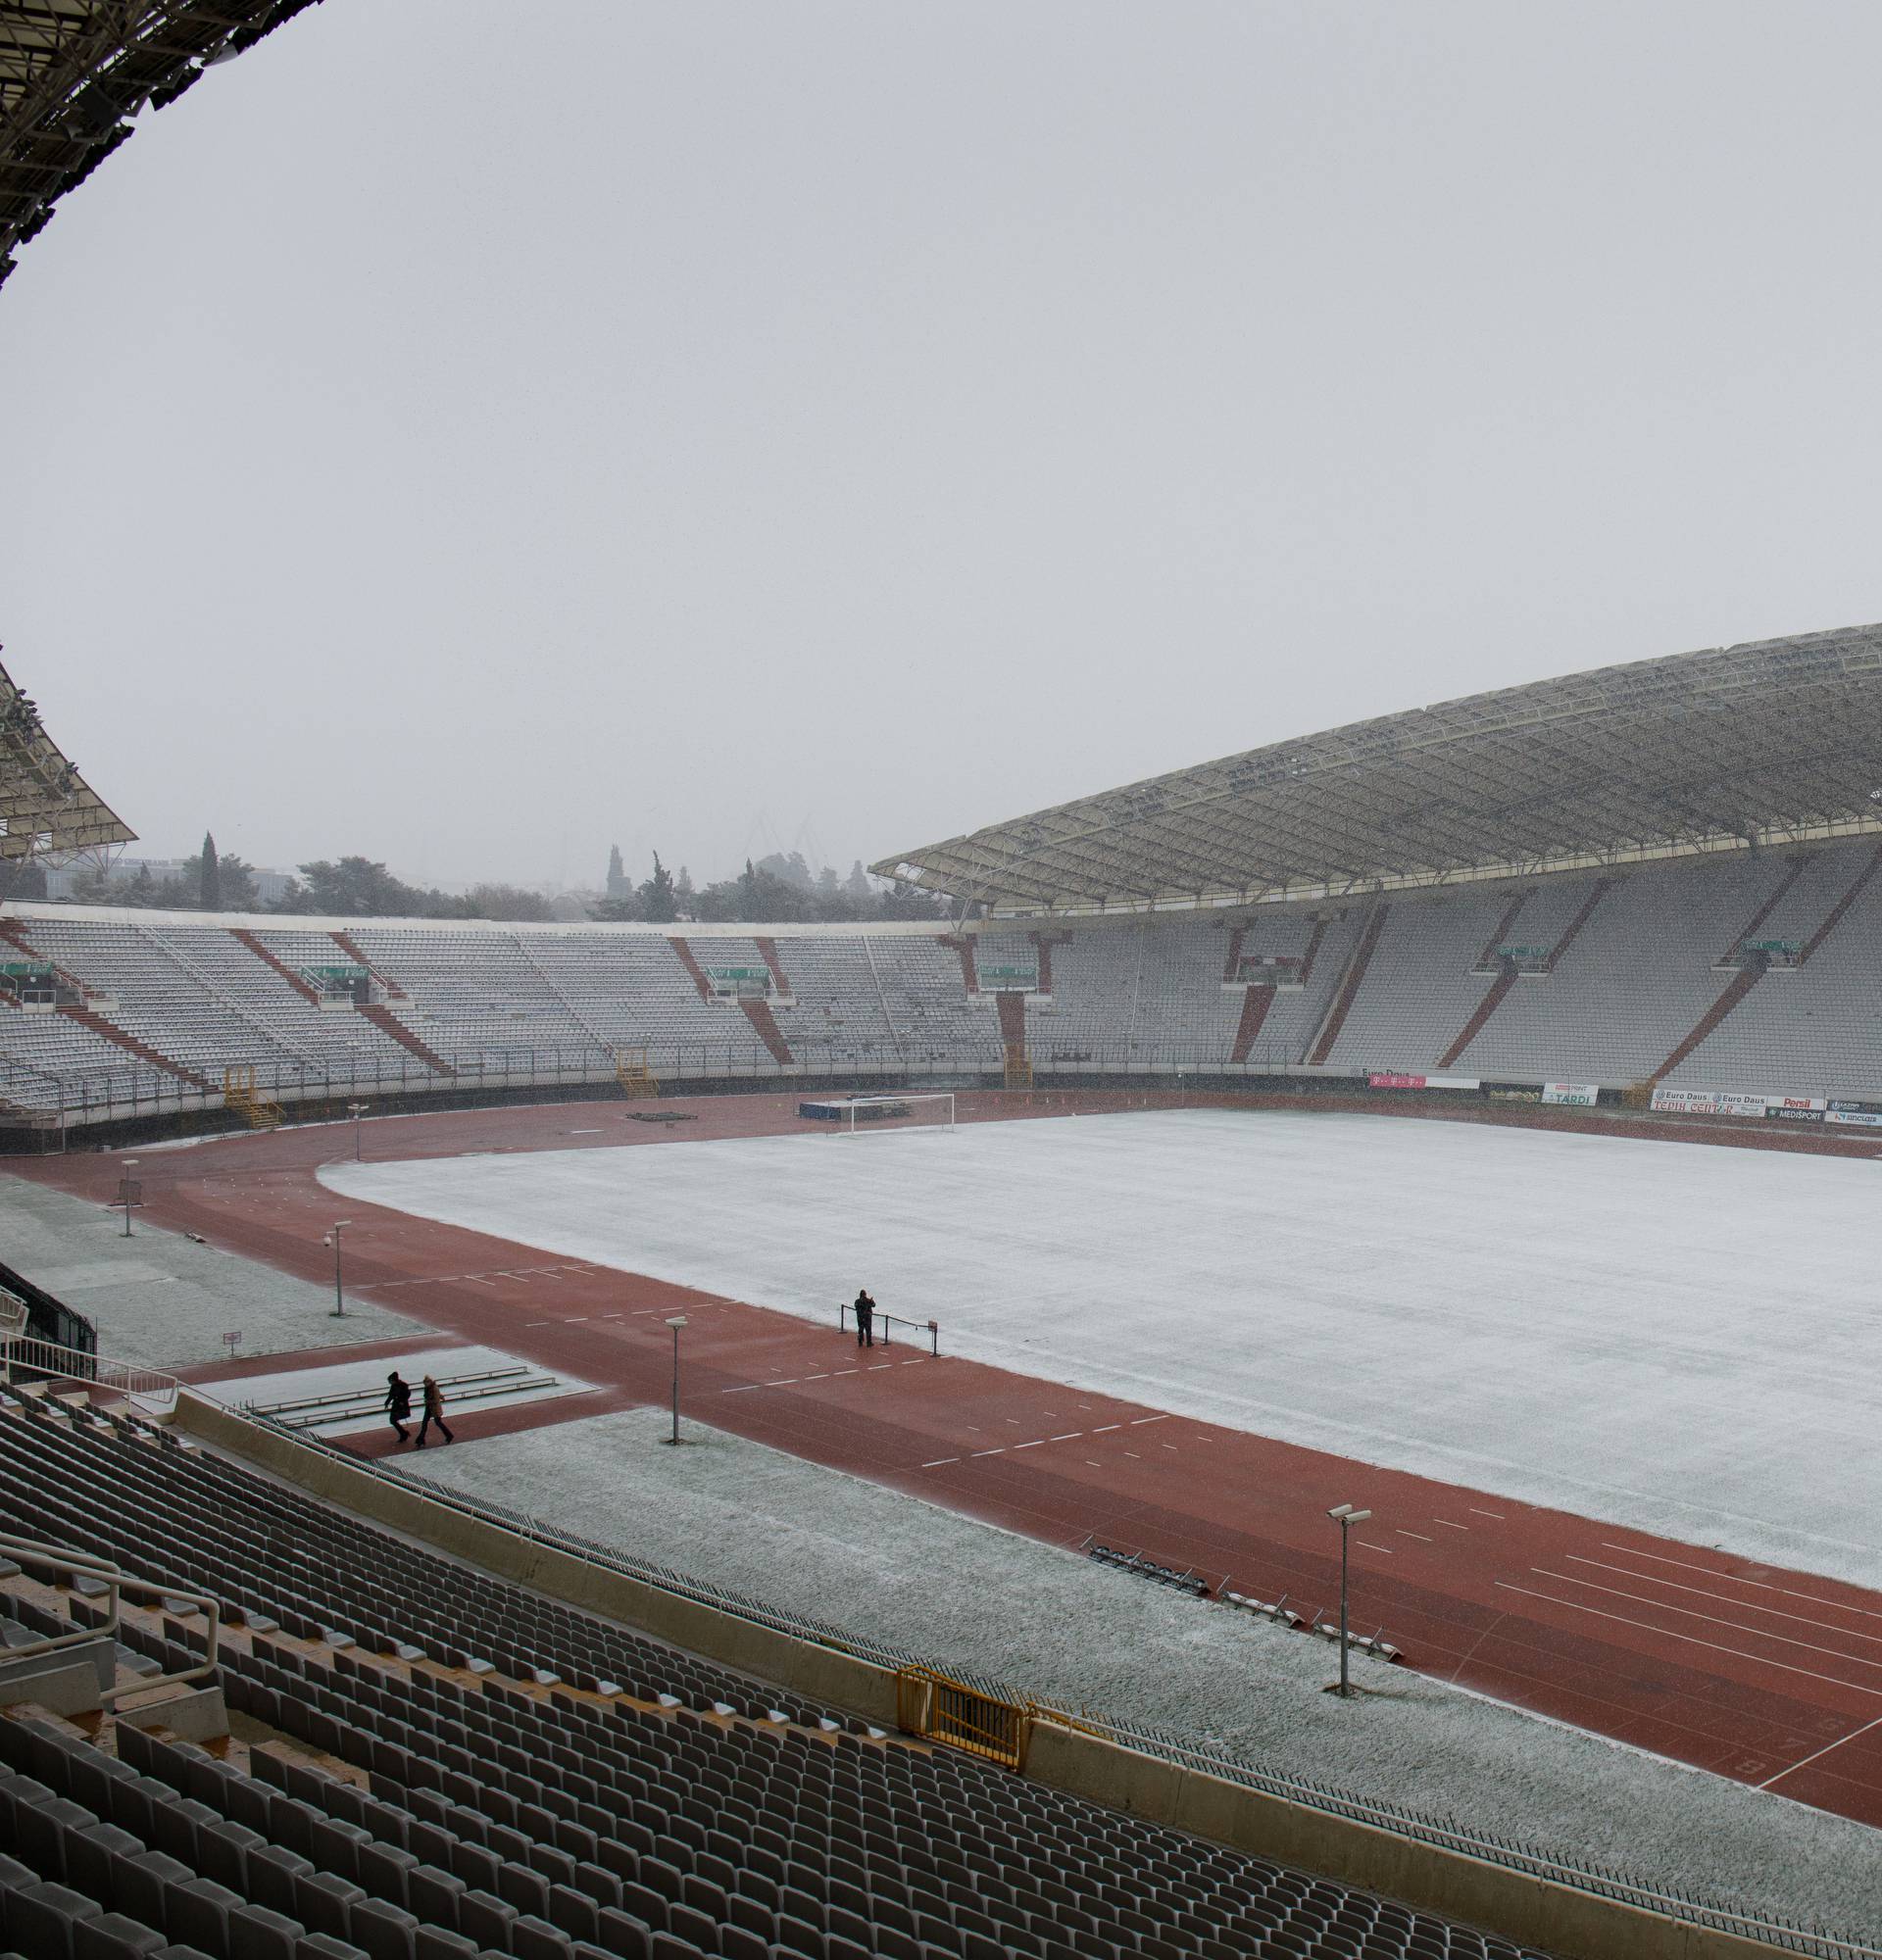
[1579, 1095]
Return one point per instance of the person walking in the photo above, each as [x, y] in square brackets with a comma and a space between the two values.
[434, 1411]
[864, 1319]
[398, 1404]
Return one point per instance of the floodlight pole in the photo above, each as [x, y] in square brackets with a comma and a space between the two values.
[339, 1295]
[676, 1322]
[130, 1165]
[1345, 1517]
[356, 1111]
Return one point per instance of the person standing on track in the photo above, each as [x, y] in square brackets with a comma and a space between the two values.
[864, 1319]
[398, 1404]
[434, 1411]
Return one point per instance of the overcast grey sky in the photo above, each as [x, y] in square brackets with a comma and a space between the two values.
[730, 426]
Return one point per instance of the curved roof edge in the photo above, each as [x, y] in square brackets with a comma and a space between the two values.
[73, 72]
[1770, 743]
[46, 808]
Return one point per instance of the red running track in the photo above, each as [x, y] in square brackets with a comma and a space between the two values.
[1769, 1677]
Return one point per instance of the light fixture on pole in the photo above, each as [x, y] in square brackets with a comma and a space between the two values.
[334, 1239]
[356, 1111]
[676, 1322]
[128, 1191]
[1347, 1516]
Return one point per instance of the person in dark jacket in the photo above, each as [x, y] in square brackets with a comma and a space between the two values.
[864, 1319]
[398, 1404]
[434, 1411]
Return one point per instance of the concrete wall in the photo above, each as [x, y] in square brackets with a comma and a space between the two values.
[1572, 1923]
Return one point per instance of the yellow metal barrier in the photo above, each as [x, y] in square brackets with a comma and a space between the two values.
[941, 1710]
[632, 1072]
[240, 1094]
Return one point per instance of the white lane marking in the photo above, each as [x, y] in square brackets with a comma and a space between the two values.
[1732, 1579]
[1448, 1526]
[1477, 1511]
[938, 1461]
[816, 1378]
[1034, 1444]
[584, 1133]
[477, 1279]
[1711, 1618]
[1134, 1457]
[577, 1320]
[1138, 1421]
[1823, 1751]
[1102, 1426]
[1001, 1452]
[1094, 1462]
[1370, 1547]
[1070, 1436]
[745, 1388]
[1419, 1536]
[916, 1362]
[1743, 1605]
[538, 1323]
[876, 1367]
[1015, 1420]
[1169, 1445]
[849, 1371]
[1691, 1640]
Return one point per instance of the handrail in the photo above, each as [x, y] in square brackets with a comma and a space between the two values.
[31, 1551]
[150, 1388]
[1445, 1833]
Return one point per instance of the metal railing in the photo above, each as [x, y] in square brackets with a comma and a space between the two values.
[1645, 1894]
[150, 1391]
[56, 1558]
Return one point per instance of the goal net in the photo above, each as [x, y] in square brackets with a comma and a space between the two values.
[898, 1112]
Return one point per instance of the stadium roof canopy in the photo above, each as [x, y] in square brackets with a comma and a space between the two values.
[1774, 742]
[73, 72]
[46, 809]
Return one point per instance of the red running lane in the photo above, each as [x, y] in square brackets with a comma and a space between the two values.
[1769, 1677]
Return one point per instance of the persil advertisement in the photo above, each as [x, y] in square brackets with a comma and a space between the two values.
[1581, 1094]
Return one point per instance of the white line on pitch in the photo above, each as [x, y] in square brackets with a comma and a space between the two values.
[1692, 1640]
[1823, 1751]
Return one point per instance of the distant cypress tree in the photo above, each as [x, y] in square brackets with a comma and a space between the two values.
[656, 898]
[210, 884]
[618, 885]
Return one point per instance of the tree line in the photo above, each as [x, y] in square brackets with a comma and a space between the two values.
[779, 890]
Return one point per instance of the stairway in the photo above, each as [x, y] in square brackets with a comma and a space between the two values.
[768, 952]
[1043, 942]
[692, 965]
[1256, 1002]
[1488, 1006]
[1730, 995]
[345, 941]
[262, 953]
[759, 1013]
[1349, 988]
[1580, 919]
[963, 944]
[1841, 904]
[1013, 1018]
[389, 1023]
[85, 1018]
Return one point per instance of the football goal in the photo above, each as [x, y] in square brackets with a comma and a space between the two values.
[897, 1112]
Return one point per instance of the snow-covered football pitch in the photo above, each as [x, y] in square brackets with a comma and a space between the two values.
[1677, 1337]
